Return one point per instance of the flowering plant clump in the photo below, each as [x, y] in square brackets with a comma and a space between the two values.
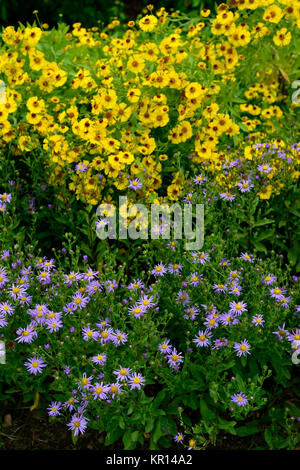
[95, 345]
[102, 108]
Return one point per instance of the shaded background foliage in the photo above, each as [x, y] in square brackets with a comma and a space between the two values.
[89, 12]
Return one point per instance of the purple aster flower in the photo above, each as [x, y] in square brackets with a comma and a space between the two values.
[200, 179]
[78, 424]
[122, 374]
[179, 437]
[120, 338]
[88, 334]
[228, 319]
[174, 268]
[237, 307]
[227, 196]
[191, 313]
[220, 343]
[242, 348]
[269, 279]
[202, 339]
[115, 389]
[159, 270]
[53, 409]
[220, 288]
[99, 391]
[137, 310]
[79, 300]
[100, 359]
[247, 257]
[175, 359]
[136, 381]
[245, 186]
[34, 365]
[183, 297]
[240, 399]
[165, 347]
[277, 293]
[135, 184]
[281, 333]
[258, 320]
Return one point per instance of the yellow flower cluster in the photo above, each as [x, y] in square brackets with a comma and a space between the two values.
[105, 108]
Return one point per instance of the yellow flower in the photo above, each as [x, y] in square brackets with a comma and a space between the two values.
[148, 23]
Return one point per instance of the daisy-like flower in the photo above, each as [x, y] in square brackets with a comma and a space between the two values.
[165, 347]
[71, 278]
[219, 288]
[191, 313]
[115, 389]
[264, 168]
[26, 335]
[78, 424]
[174, 268]
[240, 399]
[53, 409]
[237, 307]
[70, 308]
[227, 196]
[79, 300]
[281, 333]
[106, 335]
[245, 186]
[183, 297]
[53, 325]
[90, 275]
[247, 257]
[195, 279]
[201, 257]
[258, 320]
[100, 359]
[159, 270]
[119, 338]
[202, 339]
[6, 308]
[135, 184]
[211, 322]
[136, 284]
[235, 290]
[269, 279]
[103, 323]
[284, 301]
[277, 293]
[242, 348]
[85, 381]
[146, 301]
[89, 334]
[93, 287]
[69, 404]
[228, 319]
[16, 291]
[35, 365]
[136, 381]
[179, 437]
[175, 359]
[122, 374]
[220, 343]
[294, 337]
[137, 310]
[101, 223]
[200, 179]
[111, 286]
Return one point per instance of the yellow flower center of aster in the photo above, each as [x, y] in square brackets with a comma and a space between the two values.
[123, 371]
[243, 347]
[202, 337]
[238, 306]
[34, 364]
[158, 268]
[99, 390]
[25, 333]
[297, 337]
[104, 334]
[174, 357]
[89, 333]
[76, 424]
[136, 380]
